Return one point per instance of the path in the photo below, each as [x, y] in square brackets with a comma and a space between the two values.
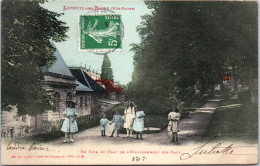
[192, 130]
[194, 127]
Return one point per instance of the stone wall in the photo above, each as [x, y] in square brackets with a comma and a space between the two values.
[84, 104]
[116, 96]
[62, 89]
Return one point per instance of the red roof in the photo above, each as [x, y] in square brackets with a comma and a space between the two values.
[110, 86]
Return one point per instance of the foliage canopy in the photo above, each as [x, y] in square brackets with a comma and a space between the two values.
[27, 29]
[187, 47]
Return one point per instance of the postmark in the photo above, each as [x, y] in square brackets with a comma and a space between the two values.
[100, 33]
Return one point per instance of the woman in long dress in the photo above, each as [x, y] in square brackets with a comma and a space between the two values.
[138, 126]
[174, 117]
[69, 125]
[129, 118]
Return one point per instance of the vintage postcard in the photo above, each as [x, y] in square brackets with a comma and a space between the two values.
[129, 82]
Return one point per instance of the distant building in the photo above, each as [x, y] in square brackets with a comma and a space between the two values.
[90, 72]
[86, 99]
[60, 82]
[115, 92]
[13, 125]
[63, 84]
[94, 75]
[102, 97]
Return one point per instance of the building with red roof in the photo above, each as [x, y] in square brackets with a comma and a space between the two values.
[110, 86]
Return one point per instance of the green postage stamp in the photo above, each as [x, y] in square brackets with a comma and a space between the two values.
[100, 33]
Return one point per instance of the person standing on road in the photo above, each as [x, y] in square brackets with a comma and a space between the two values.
[129, 118]
[103, 125]
[138, 126]
[117, 120]
[69, 125]
[174, 117]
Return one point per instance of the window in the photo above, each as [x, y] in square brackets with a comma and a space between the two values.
[56, 101]
[86, 101]
[68, 98]
[23, 118]
[81, 102]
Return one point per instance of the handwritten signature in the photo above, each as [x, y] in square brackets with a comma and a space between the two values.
[32, 147]
[206, 150]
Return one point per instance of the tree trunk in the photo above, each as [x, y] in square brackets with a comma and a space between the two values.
[235, 84]
[222, 87]
[253, 89]
[212, 88]
[234, 77]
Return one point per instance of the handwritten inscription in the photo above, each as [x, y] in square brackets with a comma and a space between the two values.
[206, 149]
[32, 147]
[37, 147]
[15, 146]
[138, 158]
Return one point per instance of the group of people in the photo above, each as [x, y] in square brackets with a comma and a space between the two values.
[132, 120]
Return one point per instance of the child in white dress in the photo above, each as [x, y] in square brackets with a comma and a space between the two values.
[138, 126]
[69, 125]
[173, 126]
[103, 125]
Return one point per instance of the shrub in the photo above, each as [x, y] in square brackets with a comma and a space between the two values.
[27, 129]
[87, 121]
[111, 112]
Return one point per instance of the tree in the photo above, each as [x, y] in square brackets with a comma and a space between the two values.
[27, 30]
[106, 70]
[186, 48]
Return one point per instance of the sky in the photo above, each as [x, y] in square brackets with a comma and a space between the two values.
[121, 62]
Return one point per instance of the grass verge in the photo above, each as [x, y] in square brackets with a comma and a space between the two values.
[236, 120]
